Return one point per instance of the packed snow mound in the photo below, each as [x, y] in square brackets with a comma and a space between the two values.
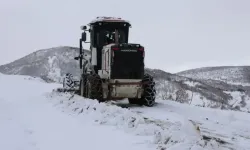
[238, 75]
[165, 134]
[229, 128]
[168, 125]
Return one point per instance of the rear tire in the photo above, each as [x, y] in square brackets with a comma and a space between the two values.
[149, 92]
[148, 96]
[94, 87]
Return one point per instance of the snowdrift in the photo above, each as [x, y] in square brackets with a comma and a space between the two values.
[165, 134]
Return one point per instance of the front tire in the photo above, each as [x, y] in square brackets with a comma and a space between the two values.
[68, 81]
[94, 87]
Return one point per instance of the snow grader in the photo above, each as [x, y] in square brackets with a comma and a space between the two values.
[115, 68]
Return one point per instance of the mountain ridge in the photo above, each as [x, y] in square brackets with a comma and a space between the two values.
[237, 75]
[53, 63]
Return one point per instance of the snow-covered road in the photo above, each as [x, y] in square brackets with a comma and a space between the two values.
[29, 122]
[34, 118]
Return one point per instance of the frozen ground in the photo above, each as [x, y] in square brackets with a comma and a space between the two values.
[34, 118]
[29, 122]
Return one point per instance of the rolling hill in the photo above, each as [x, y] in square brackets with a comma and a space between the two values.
[238, 75]
[185, 87]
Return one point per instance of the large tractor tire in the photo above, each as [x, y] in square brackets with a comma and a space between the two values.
[149, 92]
[94, 87]
[68, 81]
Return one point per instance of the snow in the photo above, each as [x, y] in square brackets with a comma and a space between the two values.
[168, 91]
[191, 83]
[241, 100]
[29, 122]
[35, 118]
[104, 18]
[163, 133]
[230, 75]
[237, 83]
[230, 126]
[54, 70]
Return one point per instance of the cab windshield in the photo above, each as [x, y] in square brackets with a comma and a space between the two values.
[107, 36]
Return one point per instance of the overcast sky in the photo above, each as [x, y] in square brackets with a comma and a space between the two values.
[177, 34]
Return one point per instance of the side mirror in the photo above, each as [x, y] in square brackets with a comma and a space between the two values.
[84, 36]
[76, 58]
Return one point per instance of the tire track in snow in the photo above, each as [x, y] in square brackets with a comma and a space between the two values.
[165, 133]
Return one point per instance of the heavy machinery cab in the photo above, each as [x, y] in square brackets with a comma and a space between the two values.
[115, 68]
[102, 31]
[111, 54]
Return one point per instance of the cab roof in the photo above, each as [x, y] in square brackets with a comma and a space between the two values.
[108, 19]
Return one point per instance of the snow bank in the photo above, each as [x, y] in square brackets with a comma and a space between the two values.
[227, 127]
[29, 122]
[20, 78]
[163, 133]
[239, 101]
